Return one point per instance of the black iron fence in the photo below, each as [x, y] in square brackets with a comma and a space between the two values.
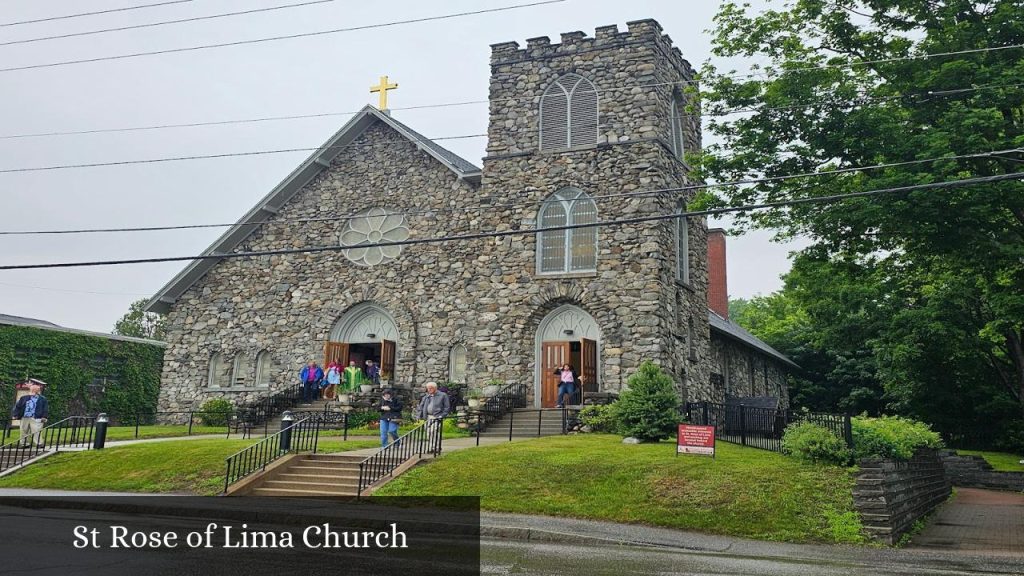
[761, 427]
[504, 402]
[71, 432]
[299, 436]
[425, 438]
[525, 423]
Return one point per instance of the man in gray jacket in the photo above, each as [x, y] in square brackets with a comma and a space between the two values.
[433, 407]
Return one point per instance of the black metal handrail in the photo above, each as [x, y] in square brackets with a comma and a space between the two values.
[505, 401]
[263, 409]
[424, 438]
[301, 436]
[71, 432]
[762, 427]
[568, 418]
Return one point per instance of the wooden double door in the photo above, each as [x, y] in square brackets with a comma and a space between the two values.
[581, 355]
[383, 354]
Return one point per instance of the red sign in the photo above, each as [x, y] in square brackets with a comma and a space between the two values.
[695, 440]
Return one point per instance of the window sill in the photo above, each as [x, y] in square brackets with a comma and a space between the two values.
[570, 149]
[236, 389]
[687, 285]
[564, 275]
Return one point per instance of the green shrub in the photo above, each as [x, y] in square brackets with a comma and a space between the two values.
[600, 418]
[215, 412]
[810, 442]
[362, 419]
[649, 410]
[891, 437]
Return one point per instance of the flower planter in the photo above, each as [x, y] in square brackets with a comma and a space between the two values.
[473, 402]
[366, 388]
[345, 398]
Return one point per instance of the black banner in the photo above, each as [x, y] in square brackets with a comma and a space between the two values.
[249, 536]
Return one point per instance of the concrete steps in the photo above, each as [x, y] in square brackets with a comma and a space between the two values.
[525, 425]
[313, 475]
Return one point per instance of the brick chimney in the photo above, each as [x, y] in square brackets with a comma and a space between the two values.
[718, 288]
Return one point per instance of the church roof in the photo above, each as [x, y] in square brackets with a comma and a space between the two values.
[8, 320]
[22, 321]
[318, 161]
[736, 332]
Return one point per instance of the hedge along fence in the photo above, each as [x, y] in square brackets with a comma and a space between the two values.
[85, 374]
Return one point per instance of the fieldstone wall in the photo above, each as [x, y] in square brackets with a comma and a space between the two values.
[975, 472]
[644, 312]
[745, 372]
[891, 495]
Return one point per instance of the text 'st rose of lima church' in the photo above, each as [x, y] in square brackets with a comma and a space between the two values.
[576, 129]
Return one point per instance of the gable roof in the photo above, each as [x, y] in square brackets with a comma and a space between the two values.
[318, 161]
[8, 320]
[22, 321]
[733, 330]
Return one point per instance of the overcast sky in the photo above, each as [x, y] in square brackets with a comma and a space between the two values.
[434, 62]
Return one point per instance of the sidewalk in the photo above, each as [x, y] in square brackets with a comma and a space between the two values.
[986, 521]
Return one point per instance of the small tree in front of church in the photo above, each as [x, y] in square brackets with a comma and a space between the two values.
[649, 410]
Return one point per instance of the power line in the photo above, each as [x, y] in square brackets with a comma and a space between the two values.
[490, 206]
[276, 38]
[124, 9]
[507, 233]
[165, 22]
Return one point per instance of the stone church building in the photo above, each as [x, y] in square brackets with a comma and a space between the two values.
[587, 130]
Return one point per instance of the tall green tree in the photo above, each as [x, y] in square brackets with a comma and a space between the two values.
[843, 84]
[141, 324]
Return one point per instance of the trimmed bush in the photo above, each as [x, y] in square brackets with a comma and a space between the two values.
[649, 410]
[891, 437]
[600, 418]
[215, 412]
[813, 443]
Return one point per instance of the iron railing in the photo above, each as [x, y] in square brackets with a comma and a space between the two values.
[301, 436]
[567, 419]
[761, 427]
[71, 432]
[505, 401]
[265, 409]
[425, 438]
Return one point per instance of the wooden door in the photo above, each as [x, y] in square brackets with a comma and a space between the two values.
[387, 359]
[336, 352]
[588, 367]
[552, 356]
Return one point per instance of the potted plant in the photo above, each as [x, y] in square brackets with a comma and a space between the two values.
[385, 378]
[473, 398]
[365, 386]
[492, 388]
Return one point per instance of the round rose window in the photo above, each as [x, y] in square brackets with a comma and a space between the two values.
[373, 226]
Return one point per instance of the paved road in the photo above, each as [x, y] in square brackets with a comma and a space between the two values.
[987, 521]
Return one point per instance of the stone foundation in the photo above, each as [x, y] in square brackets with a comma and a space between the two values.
[975, 472]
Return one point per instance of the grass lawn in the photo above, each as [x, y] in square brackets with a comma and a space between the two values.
[1000, 461]
[742, 492]
[193, 466]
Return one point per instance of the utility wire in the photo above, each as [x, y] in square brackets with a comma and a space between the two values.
[276, 38]
[490, 206]
[497, 100]
[508, 233]
[124, 9]
[165, 22]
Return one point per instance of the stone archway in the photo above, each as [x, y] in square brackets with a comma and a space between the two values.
[567, 334]
[366, 331]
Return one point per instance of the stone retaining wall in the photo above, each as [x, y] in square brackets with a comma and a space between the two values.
[891, 495]
[975, 472]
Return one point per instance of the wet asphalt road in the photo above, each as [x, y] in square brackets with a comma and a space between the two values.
[515, 557]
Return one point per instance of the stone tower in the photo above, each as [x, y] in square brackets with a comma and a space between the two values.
[577, 129]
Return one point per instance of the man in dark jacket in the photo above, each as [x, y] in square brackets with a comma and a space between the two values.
[390, 416]
[33, 411]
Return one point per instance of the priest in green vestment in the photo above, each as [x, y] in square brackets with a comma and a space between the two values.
[352, 377]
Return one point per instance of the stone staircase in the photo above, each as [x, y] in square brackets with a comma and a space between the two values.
[526, 424]
[311, 475]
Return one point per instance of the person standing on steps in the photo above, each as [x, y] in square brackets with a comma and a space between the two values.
[333, 379]
[310, 376]
[390, 416]
[351, 377]
[33, 411]
[568, 381]
[433, 407]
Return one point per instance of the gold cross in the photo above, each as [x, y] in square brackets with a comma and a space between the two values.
[383, 88]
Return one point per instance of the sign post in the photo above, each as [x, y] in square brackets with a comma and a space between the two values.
[693, 439]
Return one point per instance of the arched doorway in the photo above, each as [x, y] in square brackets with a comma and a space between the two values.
[567, 335]
[365, 332]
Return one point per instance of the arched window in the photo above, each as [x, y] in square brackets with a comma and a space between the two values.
[573, 250]
[682, 247]
[239, 371]
[677, 123]
[217, 375]
[264, 369]
[457, 364]
[568, 113]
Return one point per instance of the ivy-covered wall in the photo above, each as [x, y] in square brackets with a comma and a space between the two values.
[84, 374]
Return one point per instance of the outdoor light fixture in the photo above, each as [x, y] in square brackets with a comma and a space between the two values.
[371, 335]
[567, 332]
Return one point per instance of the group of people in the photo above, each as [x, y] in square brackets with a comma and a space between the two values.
[317, 383]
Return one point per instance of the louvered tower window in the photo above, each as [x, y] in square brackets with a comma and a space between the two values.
[568, 113]
[682, 247]
[678, 124]
[567, 250]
